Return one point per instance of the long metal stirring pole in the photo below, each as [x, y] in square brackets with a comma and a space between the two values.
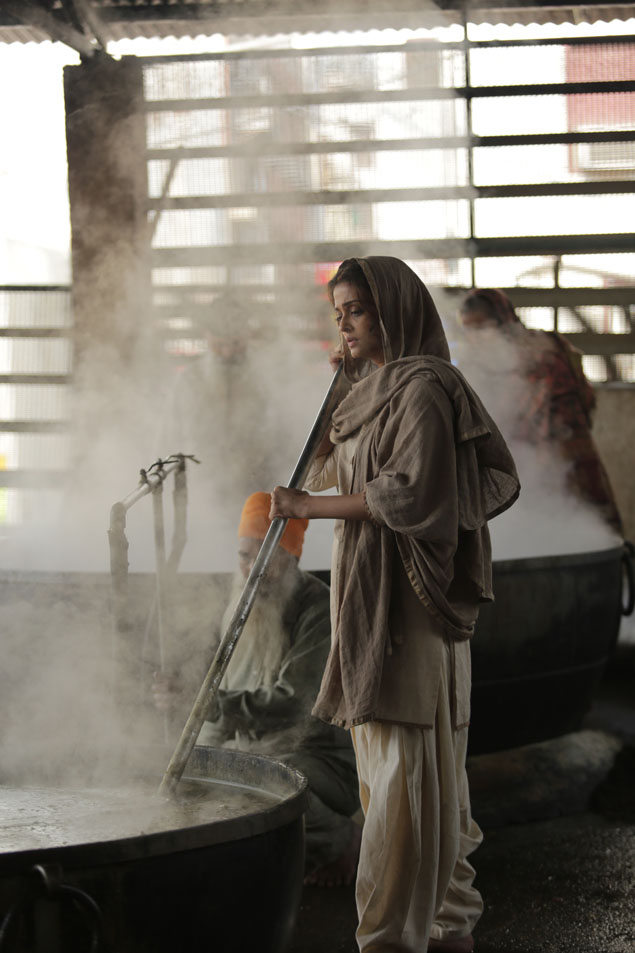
[209, 688]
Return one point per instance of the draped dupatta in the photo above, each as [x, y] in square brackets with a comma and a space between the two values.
[434, 468]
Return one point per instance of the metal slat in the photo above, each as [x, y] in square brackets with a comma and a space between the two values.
[387, 145]
[413, 46]
[19, 332]
[604, 187]
[620, 295]
[412, 94]
[547, 41]
[569, 297]
[285, 100]
[35, 378]
[553, 245]
[371, 196]
[310, 148]
[443, 248]
[37, 288]
[554, 138]
[604, 345]
[305, 252]
[547, 89]
[34, 426]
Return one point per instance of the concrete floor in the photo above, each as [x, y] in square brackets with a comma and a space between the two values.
[557, 867]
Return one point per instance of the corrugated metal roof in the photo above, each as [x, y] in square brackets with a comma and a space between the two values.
[130, 19]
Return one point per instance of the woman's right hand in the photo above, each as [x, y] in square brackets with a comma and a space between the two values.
[289, 503]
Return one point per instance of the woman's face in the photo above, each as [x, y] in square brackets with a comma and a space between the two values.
[358, 321]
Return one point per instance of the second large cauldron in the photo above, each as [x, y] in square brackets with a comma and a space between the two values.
[540, 649]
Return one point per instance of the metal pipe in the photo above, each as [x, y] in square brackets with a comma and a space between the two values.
[160, 578]
[151, 482]
[217, 669]
[151, 479]
[159, 548]
[179, 530]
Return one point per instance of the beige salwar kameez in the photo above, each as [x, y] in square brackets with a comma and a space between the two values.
[412, 436]
[414, 879]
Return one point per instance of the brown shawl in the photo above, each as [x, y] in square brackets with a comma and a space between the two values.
[434, 468]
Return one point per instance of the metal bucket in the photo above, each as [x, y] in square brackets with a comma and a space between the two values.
[232, 884]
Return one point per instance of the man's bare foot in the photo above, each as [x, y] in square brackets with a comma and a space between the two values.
[463, 944]
[341, 871]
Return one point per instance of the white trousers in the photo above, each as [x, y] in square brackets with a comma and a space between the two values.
[414, 881]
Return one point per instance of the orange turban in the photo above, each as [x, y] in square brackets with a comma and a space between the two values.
[254, 523]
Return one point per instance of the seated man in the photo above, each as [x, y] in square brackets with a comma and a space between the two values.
[265, 700]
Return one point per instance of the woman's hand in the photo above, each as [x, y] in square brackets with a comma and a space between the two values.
[289, 503]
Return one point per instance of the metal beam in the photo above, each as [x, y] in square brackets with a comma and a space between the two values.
[440, 248]
[35, 378]
[179, 295]
[37, 288]
[311, 148]
[386, 145]
[569, 297]
[24, 11]
[372, 196]
[413, 46]
[89, 17]
[411, 94]
[13, 332]
[605, 345]
[35, 426]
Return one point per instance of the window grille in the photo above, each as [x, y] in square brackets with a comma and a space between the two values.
[494, 162]
[504, 163]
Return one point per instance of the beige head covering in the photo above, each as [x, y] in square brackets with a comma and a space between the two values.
[410, 323]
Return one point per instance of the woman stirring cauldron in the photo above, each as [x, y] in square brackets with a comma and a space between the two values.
[420, 467]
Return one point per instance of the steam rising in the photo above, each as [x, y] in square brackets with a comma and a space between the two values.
[74, 690]
[71, 685]
[548, 519]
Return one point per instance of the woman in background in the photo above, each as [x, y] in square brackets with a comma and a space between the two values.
[558, 403]
[419, 468]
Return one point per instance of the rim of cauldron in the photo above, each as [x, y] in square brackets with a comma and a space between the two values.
[103, 852]
[524, 563]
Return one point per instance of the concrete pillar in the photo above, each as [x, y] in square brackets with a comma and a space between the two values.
[105, 130]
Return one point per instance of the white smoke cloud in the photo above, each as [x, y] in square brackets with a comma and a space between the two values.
[548, 519]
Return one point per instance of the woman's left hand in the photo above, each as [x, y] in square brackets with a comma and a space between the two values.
[289, 503]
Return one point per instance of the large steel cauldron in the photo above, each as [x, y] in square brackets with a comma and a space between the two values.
[229, 885]
[540, 649]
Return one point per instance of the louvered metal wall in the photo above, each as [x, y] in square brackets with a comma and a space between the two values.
[496, 163]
